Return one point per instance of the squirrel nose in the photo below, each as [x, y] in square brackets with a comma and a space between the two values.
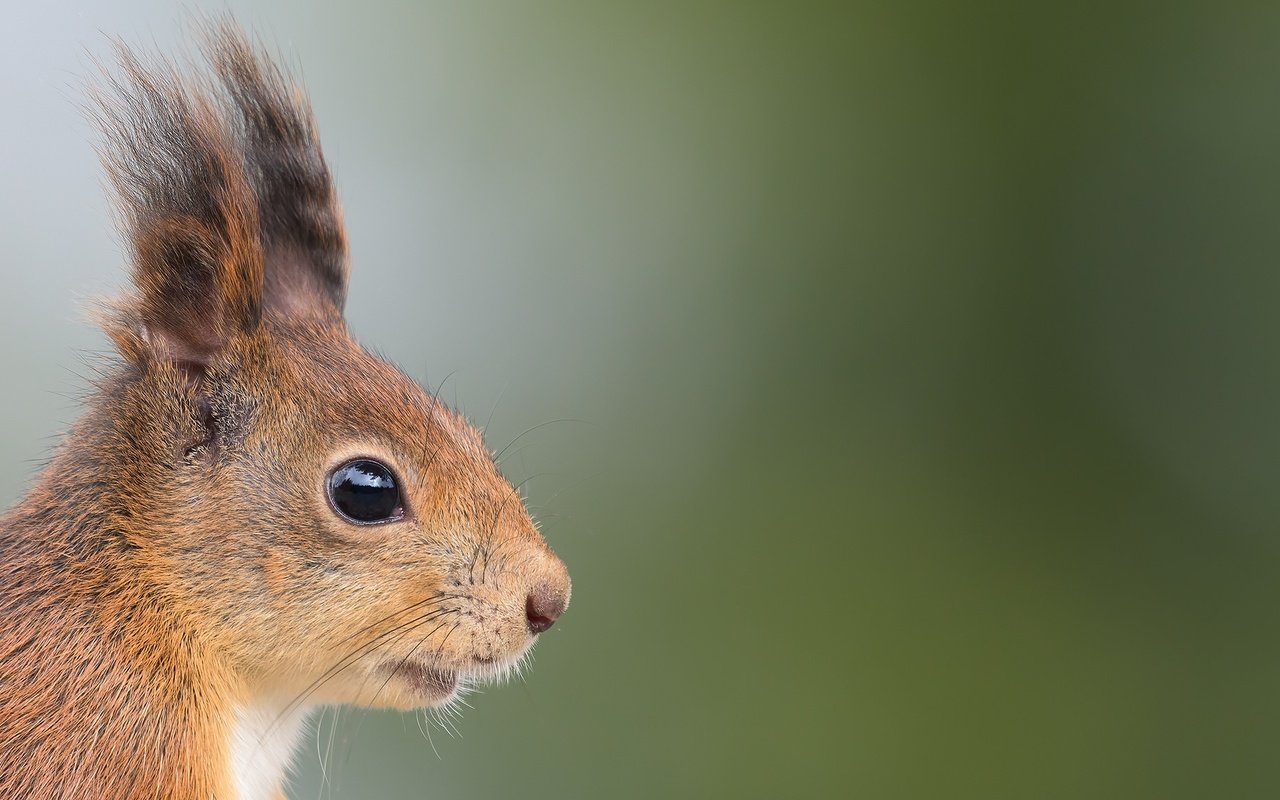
[543, 607]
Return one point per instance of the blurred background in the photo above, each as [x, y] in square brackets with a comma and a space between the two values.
[923, 360]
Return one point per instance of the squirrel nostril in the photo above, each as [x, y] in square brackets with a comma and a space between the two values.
[543, 608]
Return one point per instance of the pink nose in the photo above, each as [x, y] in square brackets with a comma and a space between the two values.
[543, 608]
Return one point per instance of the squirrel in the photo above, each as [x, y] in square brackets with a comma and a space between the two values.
[254, 515]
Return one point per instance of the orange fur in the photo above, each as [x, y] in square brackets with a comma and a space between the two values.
[178, 561]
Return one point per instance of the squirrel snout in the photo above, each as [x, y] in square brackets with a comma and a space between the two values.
[543, 608]
[547, 599]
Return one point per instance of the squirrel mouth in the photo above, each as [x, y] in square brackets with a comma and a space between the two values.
[436, 685]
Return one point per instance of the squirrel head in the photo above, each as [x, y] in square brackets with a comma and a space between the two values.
[314, 516]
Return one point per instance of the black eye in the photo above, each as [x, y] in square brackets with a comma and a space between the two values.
[365, 492]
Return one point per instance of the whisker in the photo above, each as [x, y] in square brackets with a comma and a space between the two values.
[400, 663]
[576, 484]
[501, 395]
[405, 610]
[493, 525]
[343, 664]
[427, 731]
[497, 459]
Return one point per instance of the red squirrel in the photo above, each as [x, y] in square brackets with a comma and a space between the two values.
[254, 515]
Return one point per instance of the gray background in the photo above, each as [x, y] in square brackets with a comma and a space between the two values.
[927, 354]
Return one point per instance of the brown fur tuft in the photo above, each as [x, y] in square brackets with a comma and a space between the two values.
[190, 215]
[299, 216]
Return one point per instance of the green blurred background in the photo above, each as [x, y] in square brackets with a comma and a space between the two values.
[927, 354]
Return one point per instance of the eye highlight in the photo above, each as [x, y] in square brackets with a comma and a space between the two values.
[365, 492]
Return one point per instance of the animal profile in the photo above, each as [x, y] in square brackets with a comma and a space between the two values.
[254, 515]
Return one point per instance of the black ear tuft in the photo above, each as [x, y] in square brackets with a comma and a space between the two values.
[190, 216]
[299, 216]
[226, 200]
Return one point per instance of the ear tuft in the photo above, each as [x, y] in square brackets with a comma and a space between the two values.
[189, 215]
[225, 199]
[299, 215]
[193, 293]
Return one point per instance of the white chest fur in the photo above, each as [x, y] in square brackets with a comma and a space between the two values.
[262, 745]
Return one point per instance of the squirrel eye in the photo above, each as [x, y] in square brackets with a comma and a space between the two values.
[365, 492]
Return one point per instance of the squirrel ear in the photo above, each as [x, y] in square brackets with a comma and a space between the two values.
[225, 196]
[189, 215]
[299, 219]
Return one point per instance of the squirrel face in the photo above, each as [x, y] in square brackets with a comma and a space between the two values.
[330, 529]
[455, 582]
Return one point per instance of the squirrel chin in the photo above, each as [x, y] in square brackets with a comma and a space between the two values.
[433, 685]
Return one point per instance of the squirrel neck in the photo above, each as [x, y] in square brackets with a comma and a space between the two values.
[111, 685]
[263, 739]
